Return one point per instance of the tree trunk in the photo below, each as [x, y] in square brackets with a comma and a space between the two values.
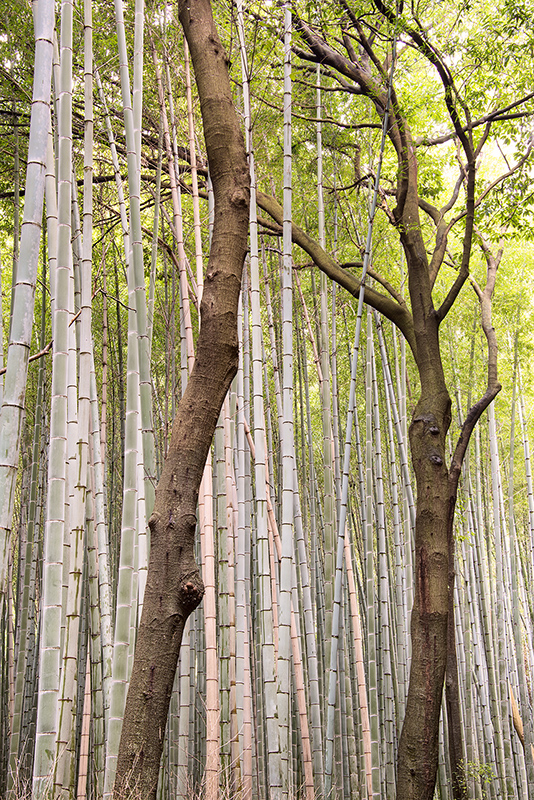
[418, 744]
[174, 586]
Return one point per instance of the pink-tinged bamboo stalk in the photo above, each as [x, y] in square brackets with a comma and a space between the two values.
[231, 527]
[360, 668]
[302, 705]
[208, 555]
[83, 762]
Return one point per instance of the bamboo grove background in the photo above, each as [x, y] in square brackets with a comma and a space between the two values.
[304, 553]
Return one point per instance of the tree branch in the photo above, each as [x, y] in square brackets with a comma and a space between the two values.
[499, 115]
[392, 309]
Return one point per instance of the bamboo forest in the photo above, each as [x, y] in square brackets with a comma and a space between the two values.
[266, 400]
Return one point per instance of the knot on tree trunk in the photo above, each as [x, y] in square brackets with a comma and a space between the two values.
[190, 591]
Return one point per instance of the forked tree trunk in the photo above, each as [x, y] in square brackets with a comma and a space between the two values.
[174, 586]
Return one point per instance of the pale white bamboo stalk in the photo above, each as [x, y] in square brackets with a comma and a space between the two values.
[137, 89]
[28, 558]
[24, 291]
[141, 549]
[54, 534]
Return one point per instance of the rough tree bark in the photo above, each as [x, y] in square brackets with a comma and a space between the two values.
[174, 586]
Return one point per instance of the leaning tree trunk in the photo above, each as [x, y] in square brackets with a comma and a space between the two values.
[174, 586]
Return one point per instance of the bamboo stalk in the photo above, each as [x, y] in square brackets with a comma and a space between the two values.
[24, 291]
